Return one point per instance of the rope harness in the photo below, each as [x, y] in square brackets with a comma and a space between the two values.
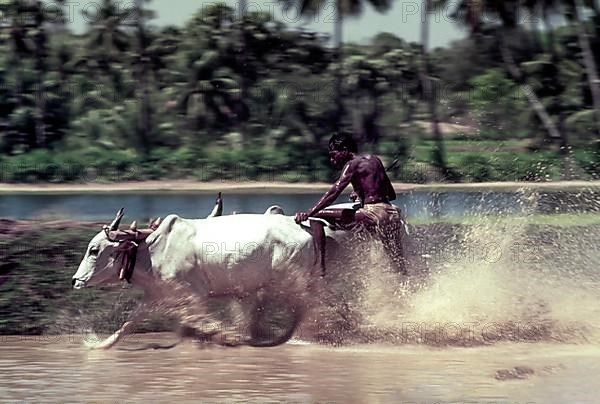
[127, 250]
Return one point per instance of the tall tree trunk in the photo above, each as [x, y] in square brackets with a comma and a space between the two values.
[18, 70]
[143, 90]
[534, 101]
[243, 58]
[243, 61]
[549, 32]
[588, 61]
[565, 149]
[144, 111]
[16, 58]
[534, 37]
[40, 112]
[338, 40]
[40, 102]
[596, 8]
[429, 92]
[369, 123]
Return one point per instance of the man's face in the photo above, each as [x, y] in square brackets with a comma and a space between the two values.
[338, 157]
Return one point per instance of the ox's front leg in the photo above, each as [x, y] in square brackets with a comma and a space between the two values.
[125, 329]
[109, 342]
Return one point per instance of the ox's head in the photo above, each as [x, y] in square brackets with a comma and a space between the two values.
[111, 254]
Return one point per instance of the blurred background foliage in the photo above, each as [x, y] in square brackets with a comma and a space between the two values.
[241, 96]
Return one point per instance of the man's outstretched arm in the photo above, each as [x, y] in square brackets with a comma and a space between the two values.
[331, 195]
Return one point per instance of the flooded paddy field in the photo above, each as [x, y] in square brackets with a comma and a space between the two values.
[497, 308]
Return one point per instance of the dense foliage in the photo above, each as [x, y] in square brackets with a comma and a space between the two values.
[223, 97]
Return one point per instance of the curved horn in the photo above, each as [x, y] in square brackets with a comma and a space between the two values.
[218, 209]
[133, 226]
[115, 223]
[155, 223]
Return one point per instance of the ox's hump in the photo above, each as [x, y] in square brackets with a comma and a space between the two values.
[274, 210]
[168, 224]
[165, 228]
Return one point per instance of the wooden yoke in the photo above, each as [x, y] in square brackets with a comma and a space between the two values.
[129, 241]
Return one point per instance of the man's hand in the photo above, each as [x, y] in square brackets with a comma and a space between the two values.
[301, 217]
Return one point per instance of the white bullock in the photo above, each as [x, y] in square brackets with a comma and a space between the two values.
[235, 256]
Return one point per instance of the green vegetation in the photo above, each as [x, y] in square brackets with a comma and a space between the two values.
[36, 295]
[557, 220]
[225, 97]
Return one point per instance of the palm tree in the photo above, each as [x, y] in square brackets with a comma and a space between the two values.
[142, 63]
[148, 60]
[13, 17]
[211, 81]
[108, 39]
[588, 58]
[40, 52]
[573, 10]
[27, 26]
[342, 8]
[542, 10]
[439, 156]
[243, 46]
[471, 13]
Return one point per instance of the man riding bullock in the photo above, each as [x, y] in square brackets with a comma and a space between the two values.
[373, 189]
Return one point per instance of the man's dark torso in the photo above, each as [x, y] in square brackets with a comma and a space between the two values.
[369, 180]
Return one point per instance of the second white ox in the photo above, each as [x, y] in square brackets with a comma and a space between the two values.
[235, 255]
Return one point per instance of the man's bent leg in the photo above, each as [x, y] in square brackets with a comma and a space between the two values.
[386, 224]
[391, 238]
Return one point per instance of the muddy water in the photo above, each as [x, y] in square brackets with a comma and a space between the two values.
[60, 369]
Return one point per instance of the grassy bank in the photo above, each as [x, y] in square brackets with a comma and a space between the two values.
[37, 261]
[563, 220]
[470, 162]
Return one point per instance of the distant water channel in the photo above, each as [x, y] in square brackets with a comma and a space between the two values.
[416, 205]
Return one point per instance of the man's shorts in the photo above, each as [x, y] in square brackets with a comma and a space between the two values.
[379, 214]
[378, 218]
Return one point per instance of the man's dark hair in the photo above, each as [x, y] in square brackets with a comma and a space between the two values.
[341, 141]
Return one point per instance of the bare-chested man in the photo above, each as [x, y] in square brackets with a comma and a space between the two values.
[374, 189]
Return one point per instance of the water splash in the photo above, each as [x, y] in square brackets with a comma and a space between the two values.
[492, 280]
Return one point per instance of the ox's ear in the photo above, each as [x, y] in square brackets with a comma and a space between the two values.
[115, 223]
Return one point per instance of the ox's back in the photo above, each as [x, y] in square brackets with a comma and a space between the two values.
[230, 254]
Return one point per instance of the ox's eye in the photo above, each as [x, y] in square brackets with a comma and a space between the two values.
[94, 251]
